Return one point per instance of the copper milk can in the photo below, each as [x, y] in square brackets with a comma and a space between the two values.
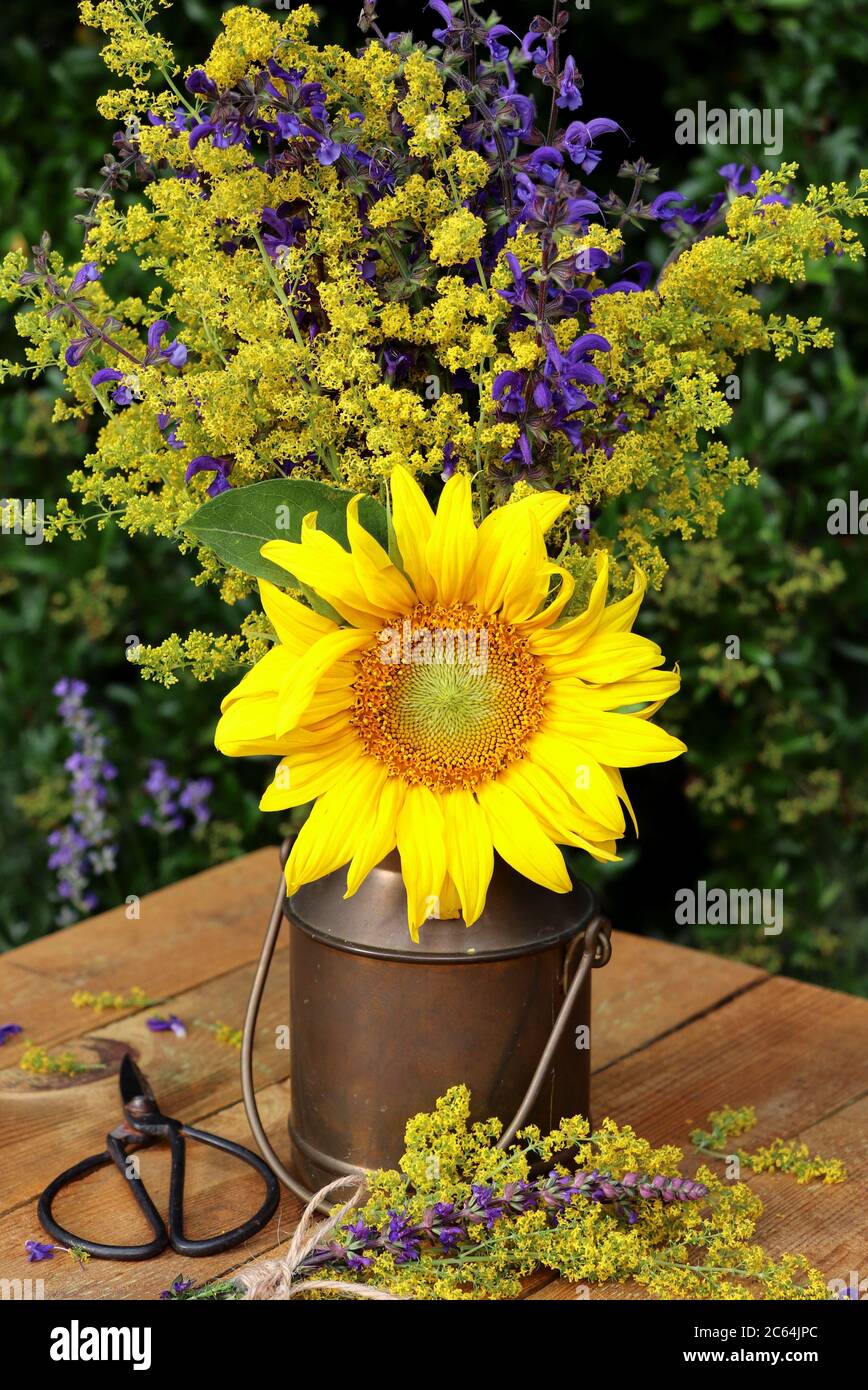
[380, 1026]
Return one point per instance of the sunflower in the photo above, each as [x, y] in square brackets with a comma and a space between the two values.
[452, 711]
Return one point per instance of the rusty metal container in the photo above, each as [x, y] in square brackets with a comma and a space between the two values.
[380, 1026]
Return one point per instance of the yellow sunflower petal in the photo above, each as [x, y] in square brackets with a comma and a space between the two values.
[550, 614]
[423, 857]
[318, 562]
[605, 657]
[620, 617]
[296, 626]
[449, 903]
[267, 677]
[331, 833]
[618, 783]
[567, 637]
[618, 740]
[249, 723]
[248, 727]
[500, 528]
[413, 522]
[451, 551]
[379, 836]
[570, 694]
[298, 780]
[555, 810]
[469, 851]
[519, 839]
[545, 507]
[331, 698]
[583, 779]
[511, 574]
[383, 584]
[298, 693]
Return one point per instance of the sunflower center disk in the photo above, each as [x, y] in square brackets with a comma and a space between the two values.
[447, 697]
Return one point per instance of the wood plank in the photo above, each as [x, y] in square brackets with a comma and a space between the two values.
[650, 988]
[793, 1050]
[796, 1053]
[194, 930]
[47, 1124]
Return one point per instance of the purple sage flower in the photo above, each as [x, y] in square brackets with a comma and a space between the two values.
[177, 1289]
[569, 89]
[89, 272]
[207, 463]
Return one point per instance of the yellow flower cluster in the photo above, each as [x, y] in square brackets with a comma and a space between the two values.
[41, 1062]
[134, 998]
[229, 1037]
[781, 1155]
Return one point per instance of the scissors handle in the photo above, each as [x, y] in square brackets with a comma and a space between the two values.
[214, 1245]
[173, 1235]
[115, 1153]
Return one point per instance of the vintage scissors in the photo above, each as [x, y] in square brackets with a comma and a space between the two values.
[145, 1124]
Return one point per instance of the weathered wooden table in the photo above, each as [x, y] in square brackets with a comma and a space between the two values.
[676, 1034]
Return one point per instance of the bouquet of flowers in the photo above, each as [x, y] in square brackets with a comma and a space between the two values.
[382, 280]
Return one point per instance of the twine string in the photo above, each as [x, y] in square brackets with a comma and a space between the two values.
[278, 1279]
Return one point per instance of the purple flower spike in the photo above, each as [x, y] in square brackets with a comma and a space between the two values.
[194, 799]
[83, 848]
[448, 460]
[545, 163]
[77, 351]
[579, 137]
[499, 51]
[7, 1031]
[329, 152]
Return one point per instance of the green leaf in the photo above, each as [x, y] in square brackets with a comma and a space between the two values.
[237, 523]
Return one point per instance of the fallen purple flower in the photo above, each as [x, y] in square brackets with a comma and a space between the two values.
[36, 1251]
[172, 1024]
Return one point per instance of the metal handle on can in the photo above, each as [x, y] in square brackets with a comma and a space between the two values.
[596, 950]
[251, 1109]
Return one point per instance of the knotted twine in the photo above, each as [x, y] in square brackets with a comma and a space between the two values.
[277, 1279]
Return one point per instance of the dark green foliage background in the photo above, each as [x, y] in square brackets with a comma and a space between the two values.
[774, 792]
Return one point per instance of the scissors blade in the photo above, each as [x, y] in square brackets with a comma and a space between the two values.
[133, 1082]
